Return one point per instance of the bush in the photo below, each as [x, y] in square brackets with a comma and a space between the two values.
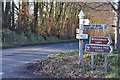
[32, 37]
[51, 38]
[12, 37]
[40, 38]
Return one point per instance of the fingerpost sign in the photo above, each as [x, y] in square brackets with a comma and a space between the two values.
[94, 26]
[97, 48]
[96, 44]
[100, 40]
[99, 45]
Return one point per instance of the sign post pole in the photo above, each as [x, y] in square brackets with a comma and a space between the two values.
[105, 63]
[92, 61]
[81, 17]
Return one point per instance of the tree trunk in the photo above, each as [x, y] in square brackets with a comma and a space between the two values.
[36, 17]
[23, 17]
[12, 18]
[117, 45]
[6, 14]
[3, 17]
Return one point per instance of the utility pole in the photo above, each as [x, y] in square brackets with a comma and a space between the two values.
[117, 34]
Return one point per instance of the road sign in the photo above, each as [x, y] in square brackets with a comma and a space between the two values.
[94, 26]
[100, 40]
[81, 36]
[98, 48]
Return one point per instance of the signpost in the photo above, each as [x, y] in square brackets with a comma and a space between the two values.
[81, 36]
[100, 40]
[81, 19]
[96, 44]
[94, 26]
[105, 63]
[99, 45]
[97, 48]
[92, 61]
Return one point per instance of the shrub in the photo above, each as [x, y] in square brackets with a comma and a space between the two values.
[12, 37]
[40, 37]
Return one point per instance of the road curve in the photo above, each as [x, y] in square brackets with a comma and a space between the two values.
[13, 59]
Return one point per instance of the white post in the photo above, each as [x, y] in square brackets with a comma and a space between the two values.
[115, 38]
[92, 61]
[81, 17]
[105, 63]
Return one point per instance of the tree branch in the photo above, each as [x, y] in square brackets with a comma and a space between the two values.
[112, 6]
[16, 6]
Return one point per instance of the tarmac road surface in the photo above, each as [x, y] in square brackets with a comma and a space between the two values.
[13, 59]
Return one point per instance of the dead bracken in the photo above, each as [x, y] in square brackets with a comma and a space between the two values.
[65, 65]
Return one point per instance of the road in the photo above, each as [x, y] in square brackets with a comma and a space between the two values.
[14, 58]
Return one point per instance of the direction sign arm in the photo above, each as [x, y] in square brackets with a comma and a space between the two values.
[111, 49]
[109, 41]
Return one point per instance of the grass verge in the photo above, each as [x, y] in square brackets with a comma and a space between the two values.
[65, 65]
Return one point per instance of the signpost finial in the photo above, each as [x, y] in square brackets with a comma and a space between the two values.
[81, 14]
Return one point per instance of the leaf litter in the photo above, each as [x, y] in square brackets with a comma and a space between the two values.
[66, 65]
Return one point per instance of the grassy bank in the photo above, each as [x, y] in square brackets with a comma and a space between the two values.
[12, 39]
[65, 65]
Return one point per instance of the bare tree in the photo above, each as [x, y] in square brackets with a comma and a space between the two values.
[5, 16]
[117, 34]
[35, 17]
[12, 17]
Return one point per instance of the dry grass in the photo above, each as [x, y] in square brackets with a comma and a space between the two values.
[65, 65]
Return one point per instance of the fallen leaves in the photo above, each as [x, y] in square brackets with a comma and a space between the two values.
[66, 66]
